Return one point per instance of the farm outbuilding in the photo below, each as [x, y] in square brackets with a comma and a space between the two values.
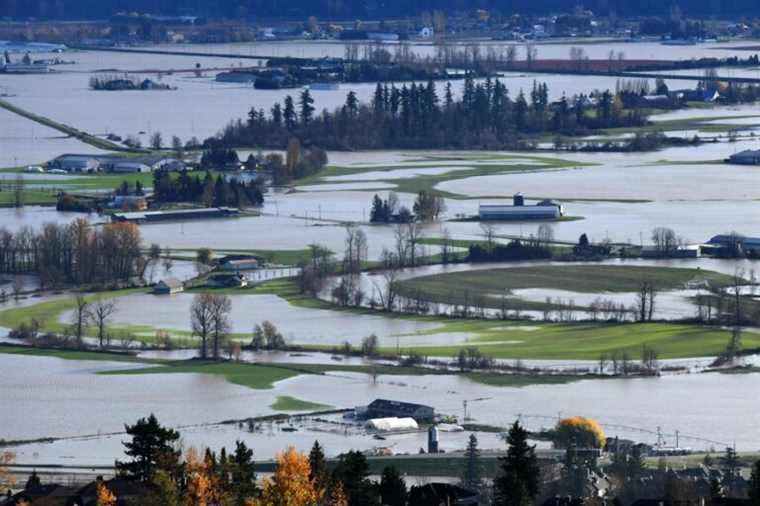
[383, 408]
[391, 424]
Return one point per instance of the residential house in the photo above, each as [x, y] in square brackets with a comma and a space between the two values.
[443, 493]
[244, 176]
[168, 286]
[227, 280]
[126, 491]
[235, 263]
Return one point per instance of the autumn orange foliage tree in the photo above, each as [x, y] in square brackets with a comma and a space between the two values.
[290, 485]
[104, 496]
[580, 432]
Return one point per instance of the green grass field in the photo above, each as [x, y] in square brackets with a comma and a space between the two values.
[582, 341]
[288, 403]
[68, 354]
[491, 285]
[259, 377]
[48, 313]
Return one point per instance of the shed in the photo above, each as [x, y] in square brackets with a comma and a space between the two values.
[168, 286]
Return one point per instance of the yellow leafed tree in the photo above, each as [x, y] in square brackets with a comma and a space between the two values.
[338, 495]
[290, 485]
[105, 497]
[580, 432]
[199, 490]
[6, 478]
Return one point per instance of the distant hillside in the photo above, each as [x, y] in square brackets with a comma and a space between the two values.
[358, 9]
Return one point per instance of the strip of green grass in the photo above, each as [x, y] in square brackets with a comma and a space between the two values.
[258, 377]
[576, 278]
[428, 182]
[288, 403]
[582, 341]
[68, 354]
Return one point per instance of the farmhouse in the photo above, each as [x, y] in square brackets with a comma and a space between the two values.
[227, 280]
[544, 210]
[237, 264]
[168, 286]
[383, 408]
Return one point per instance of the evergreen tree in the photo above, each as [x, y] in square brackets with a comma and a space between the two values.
[517, 484]
[754, 484]
[152, 448]
[289, 114]
[242, 474]
[471, 479]
[277, 115]
[307, 106]
[353, 471]
[318, 465]
[393, 490]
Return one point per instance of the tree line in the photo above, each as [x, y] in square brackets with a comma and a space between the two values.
[209, 191]
[74, 253]
[417, 117]
[299, 10]
[168, 476]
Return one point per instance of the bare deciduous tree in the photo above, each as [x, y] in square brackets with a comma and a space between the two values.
[202, 320]
[102, 311]
[80, 318]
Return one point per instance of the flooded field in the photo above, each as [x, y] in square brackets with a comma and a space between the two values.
[620, 197]
[62, 390]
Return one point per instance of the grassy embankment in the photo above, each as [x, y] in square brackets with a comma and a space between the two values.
[66, 129]
[490, 286]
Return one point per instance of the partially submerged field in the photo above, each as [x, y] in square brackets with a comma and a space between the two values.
[584, 341]
[489, 286]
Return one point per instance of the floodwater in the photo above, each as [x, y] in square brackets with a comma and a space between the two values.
[686, 189]
[298, 325]
[207, 106]
[49, 395]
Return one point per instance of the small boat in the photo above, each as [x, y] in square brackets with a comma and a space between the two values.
[289, 429]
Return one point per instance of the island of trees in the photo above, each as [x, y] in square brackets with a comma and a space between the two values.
[419, 117]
